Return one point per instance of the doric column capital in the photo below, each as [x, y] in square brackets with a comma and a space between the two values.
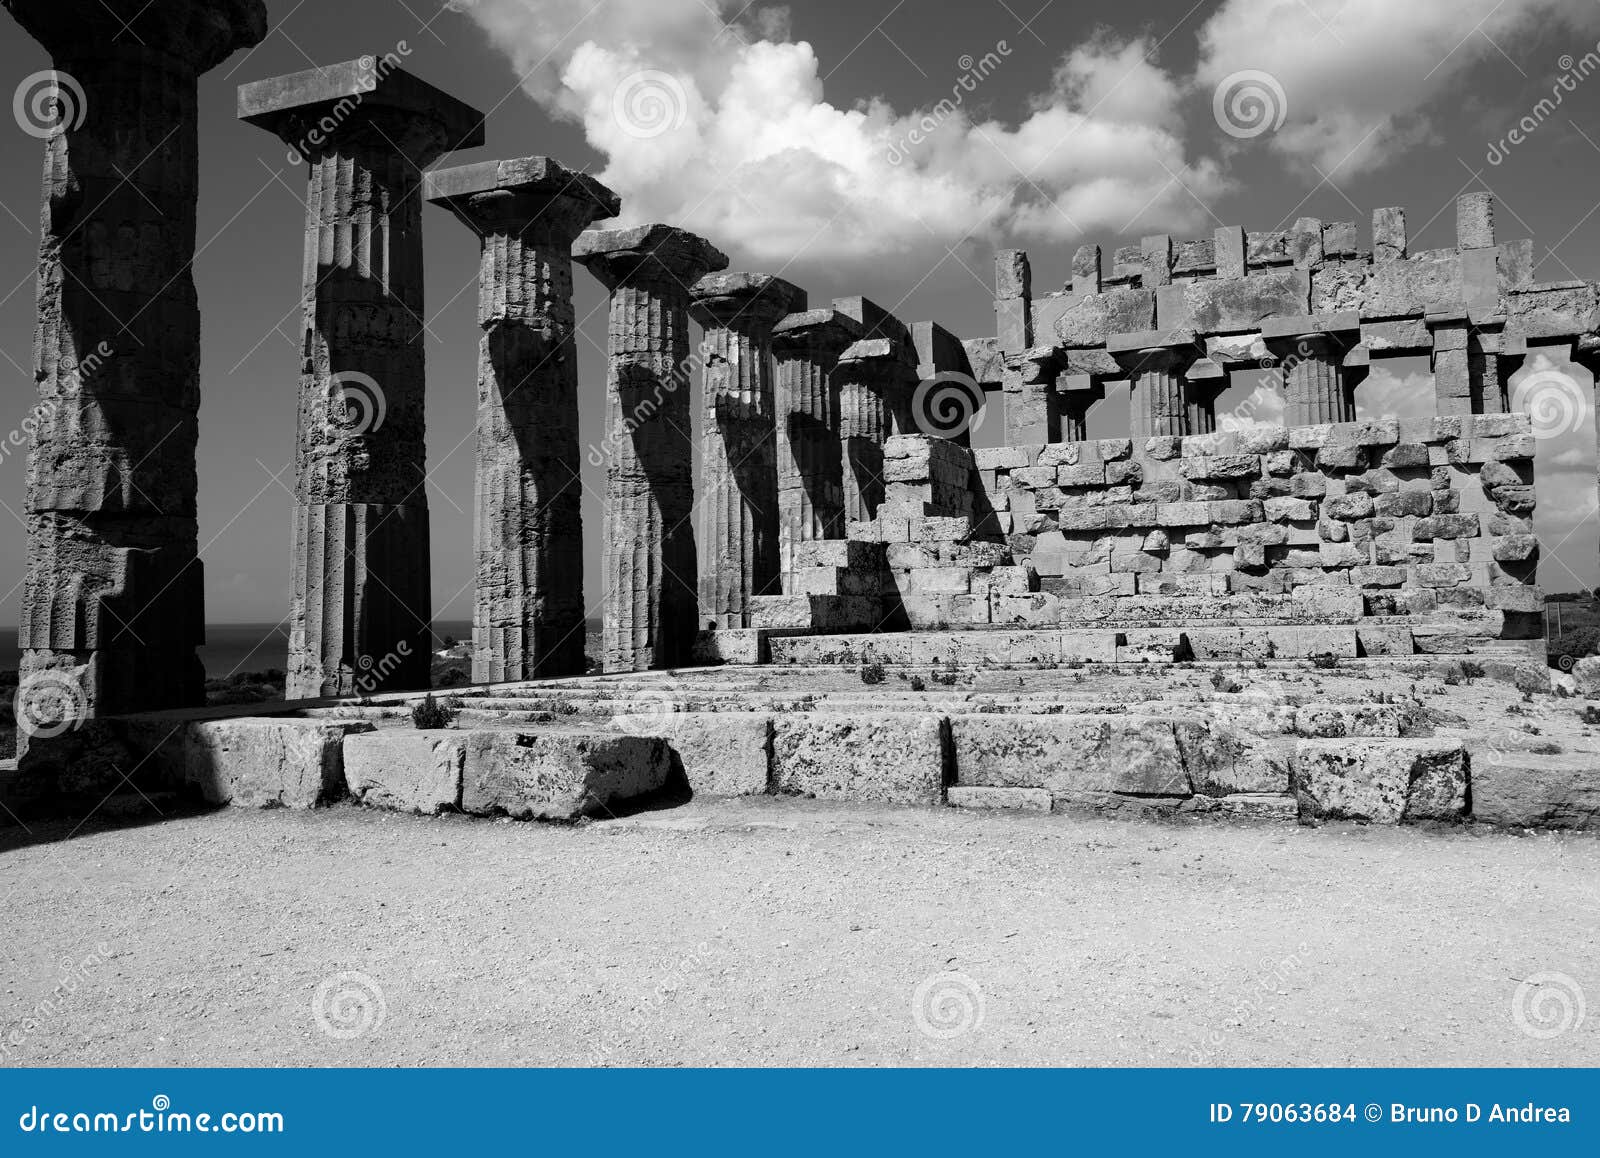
[818, 332]
[1155, 350]
[1325, 336]
[648, 254]
[200, 33]
[743, 301]
[520, 196]
[368, 103]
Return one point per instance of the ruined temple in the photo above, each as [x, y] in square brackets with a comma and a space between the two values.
[842, 519]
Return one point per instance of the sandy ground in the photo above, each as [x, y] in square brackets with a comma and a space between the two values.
[772, 931]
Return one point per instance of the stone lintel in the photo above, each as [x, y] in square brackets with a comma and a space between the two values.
[325, 98]
[1204, 369]
[1451, 315]
[720, 299]
[1081, 384]
[617, 255]
[510, 194]
[1346, 322]
[202, 32]
[1037, 364]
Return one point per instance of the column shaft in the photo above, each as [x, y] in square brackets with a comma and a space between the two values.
[1159, 407]
[651, 609]
[113, 599]
[810, 451]
[1314, 388]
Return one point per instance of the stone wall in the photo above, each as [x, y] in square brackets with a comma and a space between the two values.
[1428, 521]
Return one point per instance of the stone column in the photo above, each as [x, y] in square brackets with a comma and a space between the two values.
[876, 380]
[806, 348]
[1156, 363]
[528, 606]
[1313, 383]
[738, 544]
[651, 612]
[113, 601]
[1074, 396]
[361, 619]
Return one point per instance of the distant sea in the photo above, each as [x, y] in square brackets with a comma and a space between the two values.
[242, 647]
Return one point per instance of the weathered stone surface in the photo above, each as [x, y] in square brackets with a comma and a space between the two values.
[991, 799]
[651, 608]
[528, 609]
[896, 760]
[1073, 757]
[1386, 781]
[1523, 790]
[738, 549]
[559, 775]
[113, 599]
[361, 617]
[722, 753]
[406, 770]
[268, 763]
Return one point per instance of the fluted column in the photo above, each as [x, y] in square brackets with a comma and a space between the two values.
[1156, 363]
[651, 612]
[1313, 382]
[113, 601]
[738, 543]
[528, 607]
[806, 348]
[875, 386]
[361, 618]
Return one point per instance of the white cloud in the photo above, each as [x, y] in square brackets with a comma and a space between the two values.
[730, 134]
[1358, 75]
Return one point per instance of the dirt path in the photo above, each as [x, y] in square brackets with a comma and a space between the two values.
[768, 931]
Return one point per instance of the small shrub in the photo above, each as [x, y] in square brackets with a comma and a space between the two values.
[430, 714]
[453, 678]
[1590, 714]
[1452, 678]
[1223, 682]
[1548, 748]
[1471, 670]
[872, 673]
[918, 684]
[1326, 661]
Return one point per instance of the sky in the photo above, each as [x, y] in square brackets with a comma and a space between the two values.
[865, 147]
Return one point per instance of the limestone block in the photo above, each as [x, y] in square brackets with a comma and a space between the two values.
[1073, 757]
[721, 753]
[405, 770]
[1534, 791]
[1382, 780]
[1011, 799]
[895, 759]
[268, 763]
[1089, 320]
[559, 775]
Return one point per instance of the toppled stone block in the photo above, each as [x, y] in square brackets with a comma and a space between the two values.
[1385, 781]
[892, 759]
[268, 763]
[407, 771]
[559, 775]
